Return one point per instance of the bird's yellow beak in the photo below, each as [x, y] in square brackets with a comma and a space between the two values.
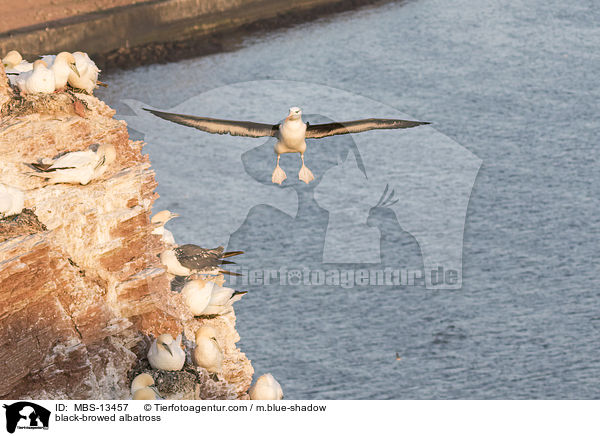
[168, 349]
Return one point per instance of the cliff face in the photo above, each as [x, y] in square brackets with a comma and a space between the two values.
[81, 286]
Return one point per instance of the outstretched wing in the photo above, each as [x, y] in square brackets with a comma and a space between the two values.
[330, 129]
[222, 127]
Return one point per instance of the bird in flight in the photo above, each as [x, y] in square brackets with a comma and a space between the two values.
[291, 133]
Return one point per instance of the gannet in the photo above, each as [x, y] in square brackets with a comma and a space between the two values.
[291, 134]
[141, 381]
[62, 65]
[88, 73]
[189, 258]
[40, 79]
[166, 353]
[12, 200]
[208, 353]
[266, 388]
[221, 300]
[77, 166]
[196, 295]
[160, 219]
[14, 63]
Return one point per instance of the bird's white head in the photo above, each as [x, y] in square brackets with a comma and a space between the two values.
[69, 59]
[166, 341]
[39, 64]
[143, 380]
[295, 113]
[162, 217]
[206, 331]
[108, 151]
[12, 58]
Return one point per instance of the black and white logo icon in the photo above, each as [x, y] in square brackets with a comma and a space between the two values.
[26, 415]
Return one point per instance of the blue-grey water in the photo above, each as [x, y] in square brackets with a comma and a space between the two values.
[516, 84]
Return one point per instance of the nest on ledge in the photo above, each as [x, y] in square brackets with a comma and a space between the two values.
[25, 223]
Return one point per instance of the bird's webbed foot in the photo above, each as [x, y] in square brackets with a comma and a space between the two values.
[278, 175]
[306, 175]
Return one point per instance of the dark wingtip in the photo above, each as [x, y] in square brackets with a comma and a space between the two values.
[229, 273]
[231, 253]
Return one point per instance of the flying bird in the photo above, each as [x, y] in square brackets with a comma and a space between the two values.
[189, 258]
[291, 133]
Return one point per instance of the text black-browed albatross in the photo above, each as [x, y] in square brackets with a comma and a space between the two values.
[290, 134]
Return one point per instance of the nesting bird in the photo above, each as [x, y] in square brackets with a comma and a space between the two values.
[77, 166]
[62, 65]
[160, 219]
[189, 258]
[15, 64]
[166, 353]
[142, 387]
[221, 300]
[208, 353]
[196, 295]
[87, 76]
[39, 80]
[266, 388]
[12, 200]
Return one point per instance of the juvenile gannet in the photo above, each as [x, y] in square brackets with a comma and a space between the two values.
[221, 300]
[196, 295]
[291, 134]
[88, 73]
[208, 353]
[160, 219]
[77, 166]
[62, 65]
[189, 258]
[266, 388]
[40, 79]
[12, 200]
[166, 353]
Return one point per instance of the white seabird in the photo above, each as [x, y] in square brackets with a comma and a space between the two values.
[12, 200]
[189, 258]
[15, 64]
[38, 80]
[62, 65]
[291, 134]
[142, 387]
[222, 299]
[160, 219]
[88, 73]
[266, 388]
[208, 353]
[76, 166]
[196, 295]
[166, 353]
